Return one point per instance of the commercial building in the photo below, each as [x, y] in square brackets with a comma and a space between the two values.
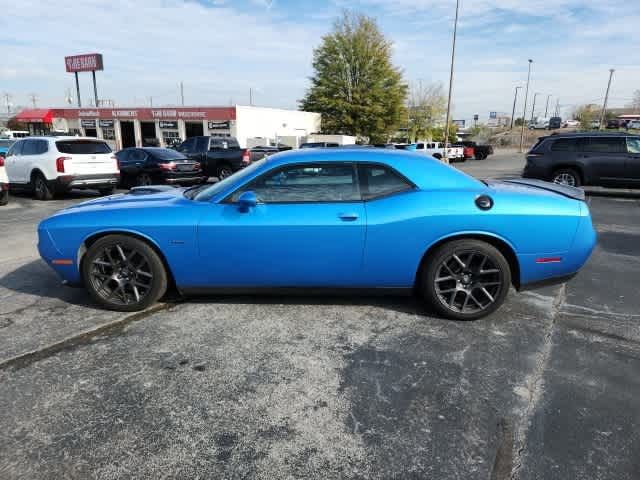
[129, 127]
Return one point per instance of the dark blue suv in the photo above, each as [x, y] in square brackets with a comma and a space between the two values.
[589, 158]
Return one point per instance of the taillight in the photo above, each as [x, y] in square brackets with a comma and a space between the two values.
[1, 161]
[246, 156]
[60, 163]
[167, 166]
[197, 166]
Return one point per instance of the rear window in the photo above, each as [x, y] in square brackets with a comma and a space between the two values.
[82, 147]
[167, 154]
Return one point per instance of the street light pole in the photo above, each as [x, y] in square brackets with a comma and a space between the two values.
[533, 110]
[546, 108]
[513, 112]
[445, 157]
[524, 112]
[606, 98]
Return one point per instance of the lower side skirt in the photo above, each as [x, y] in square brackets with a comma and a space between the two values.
[299, 291]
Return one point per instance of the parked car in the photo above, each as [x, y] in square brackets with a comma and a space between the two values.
[571, 123]
[15, 134]
[259, 152]
[595, 124]
[384, 145]
[50, 165]
[615, 124]
[319, 144]
[467, 151]
[219, 156]
[154, 165]
[481, 152]
[633, 125]
[576, 159]
[326, 219]
[5, 145]
[555, 123]
[436, 150]
[4, 183]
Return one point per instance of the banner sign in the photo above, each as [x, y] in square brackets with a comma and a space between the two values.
[84, 63]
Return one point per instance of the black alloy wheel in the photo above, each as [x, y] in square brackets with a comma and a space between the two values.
[41, 190]
[123, 273]
[144, 179]
[224, 171]
[466, 279]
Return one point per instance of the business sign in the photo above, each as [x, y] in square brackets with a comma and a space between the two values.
[106, 123]
[169, 125]
[459, 123]
[84, 63]
[218, 125]
[493, 115]
[476, 117]
[88, 123]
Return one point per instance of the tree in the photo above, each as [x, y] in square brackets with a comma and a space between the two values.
[518, 122]
[355, 86]
[437, 133]
[426, 105]
[587, 114]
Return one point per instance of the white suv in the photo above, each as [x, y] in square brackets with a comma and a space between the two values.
[49, 165]
[4, 183]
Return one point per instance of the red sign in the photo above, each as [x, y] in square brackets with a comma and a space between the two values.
[175, 113]
[83, 63]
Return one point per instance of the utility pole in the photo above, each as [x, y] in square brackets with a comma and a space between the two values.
[513, 112]
[524, 111]
[7, 102]
[606, 99]
[557, 111]
[33, 98]
[453, 57]
[533, 110]
[250, 96]
[181, 93]
[546, 108]
[151, 102]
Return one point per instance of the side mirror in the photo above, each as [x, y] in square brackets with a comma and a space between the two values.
[247, 200]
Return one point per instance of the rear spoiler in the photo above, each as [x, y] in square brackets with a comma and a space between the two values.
[566, 190]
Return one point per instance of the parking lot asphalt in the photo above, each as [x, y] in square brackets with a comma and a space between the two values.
[323, 387]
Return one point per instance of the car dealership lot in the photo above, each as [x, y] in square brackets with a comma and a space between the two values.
[339, 387]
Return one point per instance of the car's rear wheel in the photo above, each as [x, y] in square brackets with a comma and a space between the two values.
[123, 273]
[144, 179]
[566, 176]
[4, 197]
[224, 171]
[41, 190]
[466, 279]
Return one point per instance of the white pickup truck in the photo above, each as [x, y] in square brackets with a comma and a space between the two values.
[436, 150]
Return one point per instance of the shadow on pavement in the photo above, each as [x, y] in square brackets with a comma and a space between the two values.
[612, 193]
[35, 278]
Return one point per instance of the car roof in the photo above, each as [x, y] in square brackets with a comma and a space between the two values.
[592, 134]
[425, 172]
[55, 138]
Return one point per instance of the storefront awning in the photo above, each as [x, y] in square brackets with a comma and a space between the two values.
[41, 115]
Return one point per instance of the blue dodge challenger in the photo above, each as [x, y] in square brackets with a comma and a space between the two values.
[365, 219]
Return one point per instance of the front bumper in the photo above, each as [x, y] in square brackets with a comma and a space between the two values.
[98, 180]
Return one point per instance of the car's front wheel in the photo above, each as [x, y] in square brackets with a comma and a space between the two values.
[566, 176]
[466, 279]
[123, 273]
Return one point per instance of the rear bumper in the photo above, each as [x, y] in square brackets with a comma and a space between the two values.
[98, 180]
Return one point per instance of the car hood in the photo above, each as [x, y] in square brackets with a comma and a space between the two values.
[153, 196]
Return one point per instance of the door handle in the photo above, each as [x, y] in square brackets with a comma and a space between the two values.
[348, 217]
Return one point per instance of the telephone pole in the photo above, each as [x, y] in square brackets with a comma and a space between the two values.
[181, 93]
[33, 98]
[533, 110]
[557, 112]
[7, 102]
[453, 57]
[513, 113]
[250, 96]
[606, 99]
[546, 108]
[524, 111]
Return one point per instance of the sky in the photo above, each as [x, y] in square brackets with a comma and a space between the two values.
[220, 49]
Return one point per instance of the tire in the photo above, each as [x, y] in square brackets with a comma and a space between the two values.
[437, 156]
[41, 190]
[223, 171]
[107, 191]
[4, 197]
[144, 179]
[567, 176]
[120, 280]
[462, 292]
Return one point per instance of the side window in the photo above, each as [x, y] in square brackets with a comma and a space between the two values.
[15, 149]
[378, 181]
[420, 146]
[218, 144]
[30, 147]
[564, 145]
[607, 145]
[306, 183]
[633, 145]
[137, 156]
[42, 146]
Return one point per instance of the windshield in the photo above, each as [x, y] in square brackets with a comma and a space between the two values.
[208, 193]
